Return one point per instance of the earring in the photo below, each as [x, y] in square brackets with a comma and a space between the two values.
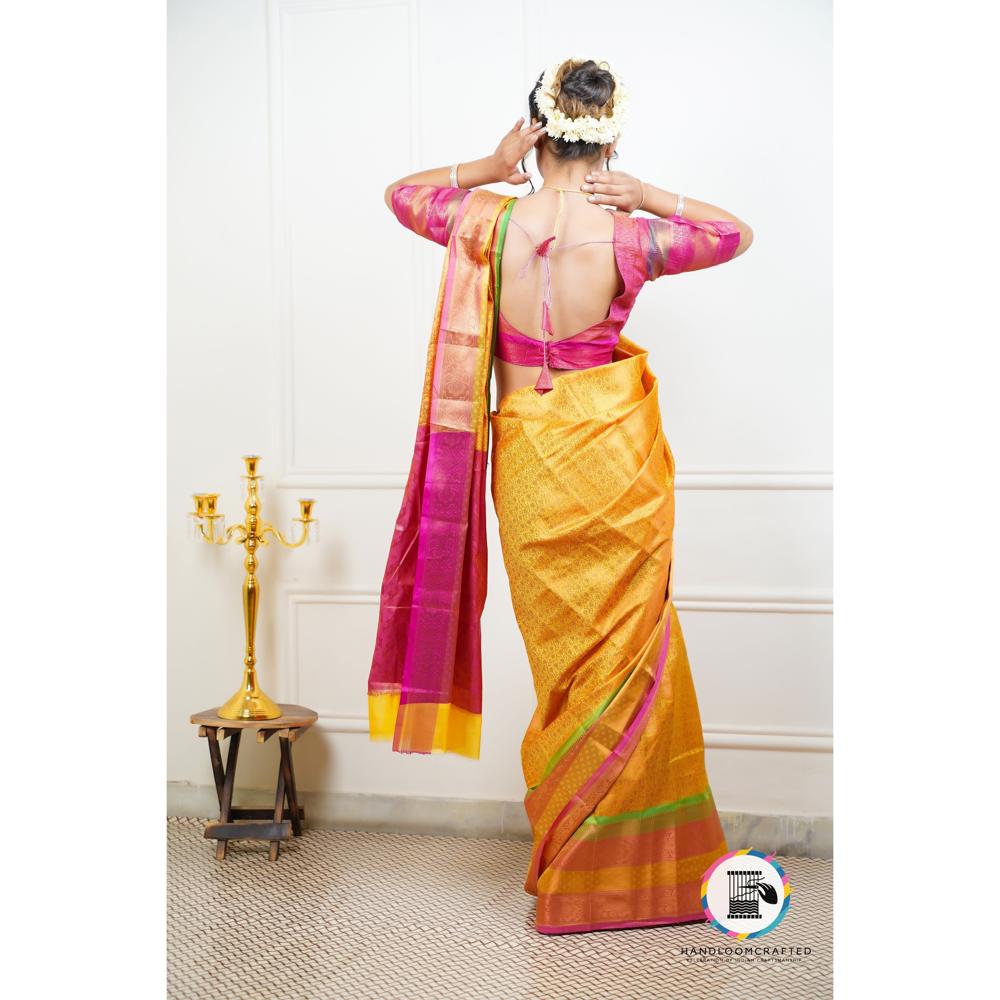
[524, 170]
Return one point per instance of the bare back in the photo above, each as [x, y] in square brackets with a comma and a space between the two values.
[583, 276]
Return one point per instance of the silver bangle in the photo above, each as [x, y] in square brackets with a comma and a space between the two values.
[453, 177]
[680, 205]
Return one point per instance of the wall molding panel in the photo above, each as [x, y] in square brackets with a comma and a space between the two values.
[754, 601]
[722, 480]
[278, 14]
[758, 605]
[717, 736]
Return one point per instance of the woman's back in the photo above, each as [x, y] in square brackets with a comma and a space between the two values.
[573, 275]
[583, 273]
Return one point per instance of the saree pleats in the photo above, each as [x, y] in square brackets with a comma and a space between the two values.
[623, 819]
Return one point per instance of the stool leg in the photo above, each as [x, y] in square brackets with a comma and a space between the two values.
[216, 757]
[279, 808]
[227, 790]
[293, 798]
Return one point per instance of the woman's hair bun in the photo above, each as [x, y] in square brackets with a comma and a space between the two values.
[584, 88]
[580, 87]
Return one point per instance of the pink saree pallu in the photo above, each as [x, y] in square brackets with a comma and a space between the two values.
[425, 682]
[618, 797]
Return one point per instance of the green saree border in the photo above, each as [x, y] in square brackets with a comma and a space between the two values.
[683, 803]
[497, 255]
[578, 734]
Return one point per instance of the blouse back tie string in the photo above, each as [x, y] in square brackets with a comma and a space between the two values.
[541, 252]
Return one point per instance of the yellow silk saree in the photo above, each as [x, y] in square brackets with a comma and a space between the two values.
[582, 479]
[618, 797]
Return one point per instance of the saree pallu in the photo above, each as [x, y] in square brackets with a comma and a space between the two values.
[624, 822]
[425, 681]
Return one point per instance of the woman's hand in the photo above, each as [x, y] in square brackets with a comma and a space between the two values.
[513, 148]
[614, 187]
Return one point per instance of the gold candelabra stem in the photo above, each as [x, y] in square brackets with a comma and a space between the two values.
[249, 702]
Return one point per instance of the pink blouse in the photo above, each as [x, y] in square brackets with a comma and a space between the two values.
[644, 248]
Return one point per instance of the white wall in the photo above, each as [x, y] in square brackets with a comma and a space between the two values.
[299, 317]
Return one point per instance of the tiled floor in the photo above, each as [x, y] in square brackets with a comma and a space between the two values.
[406, 917]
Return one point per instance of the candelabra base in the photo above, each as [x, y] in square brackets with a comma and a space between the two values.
[250, 705]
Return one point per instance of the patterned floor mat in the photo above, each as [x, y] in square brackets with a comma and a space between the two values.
[375, 916]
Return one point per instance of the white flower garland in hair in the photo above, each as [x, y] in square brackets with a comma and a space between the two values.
[585, 128]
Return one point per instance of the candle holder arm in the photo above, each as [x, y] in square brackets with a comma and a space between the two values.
[270, 529]
[237, 531]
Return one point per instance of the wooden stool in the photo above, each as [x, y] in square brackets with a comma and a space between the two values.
[293, 721]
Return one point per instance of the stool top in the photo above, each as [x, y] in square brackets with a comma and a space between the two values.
[292, 717]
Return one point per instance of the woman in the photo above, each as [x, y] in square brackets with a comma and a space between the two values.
[582, 482]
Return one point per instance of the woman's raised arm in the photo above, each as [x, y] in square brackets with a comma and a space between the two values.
[500, 165]
[703, 236]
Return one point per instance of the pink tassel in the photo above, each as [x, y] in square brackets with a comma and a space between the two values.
[543, 248]
[544, 383]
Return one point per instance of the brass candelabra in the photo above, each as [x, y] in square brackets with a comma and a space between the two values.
[249, 702]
